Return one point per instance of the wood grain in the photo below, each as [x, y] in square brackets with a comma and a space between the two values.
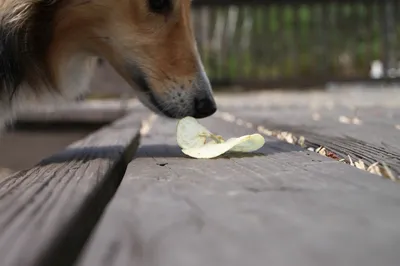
[376, 139]
[47, 212]
[280, 207]
[88, 111]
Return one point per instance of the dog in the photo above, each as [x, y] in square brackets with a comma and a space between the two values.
[49, 50]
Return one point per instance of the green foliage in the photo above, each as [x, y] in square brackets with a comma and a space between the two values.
[284, 40]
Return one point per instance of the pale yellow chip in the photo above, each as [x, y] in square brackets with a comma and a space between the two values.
[190, 134]
[249, 143]
[198, 142]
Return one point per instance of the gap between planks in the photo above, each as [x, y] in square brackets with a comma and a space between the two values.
[320, 144]
[48, 212]
[285, 206]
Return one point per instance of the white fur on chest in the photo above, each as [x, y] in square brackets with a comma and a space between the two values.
[74, 79]
[75, 76]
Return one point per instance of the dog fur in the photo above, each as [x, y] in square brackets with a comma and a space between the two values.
[49, 50]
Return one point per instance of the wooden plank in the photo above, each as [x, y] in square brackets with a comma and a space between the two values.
[377, 125]
[364, 95]
[318, 116]
[88, 111]
[47, 212]
[23, 149]
[285, 206]
[376, 139]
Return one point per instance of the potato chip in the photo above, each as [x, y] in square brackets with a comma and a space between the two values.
[190, 133]
[198, 142]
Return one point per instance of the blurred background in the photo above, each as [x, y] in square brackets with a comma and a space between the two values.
[268, 44]
[251, 45]
[286, 43]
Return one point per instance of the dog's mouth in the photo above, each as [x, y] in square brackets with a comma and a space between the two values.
[146, 95]
[198, 102]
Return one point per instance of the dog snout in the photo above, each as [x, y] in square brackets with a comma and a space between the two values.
[204, 106]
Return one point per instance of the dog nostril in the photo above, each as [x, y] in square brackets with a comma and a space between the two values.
[204, 107]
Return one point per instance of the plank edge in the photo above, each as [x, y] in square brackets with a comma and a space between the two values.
[64, 248]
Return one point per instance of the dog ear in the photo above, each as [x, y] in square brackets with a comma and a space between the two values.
[26, 30]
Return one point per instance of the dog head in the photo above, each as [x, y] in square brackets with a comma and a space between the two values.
[151, 44]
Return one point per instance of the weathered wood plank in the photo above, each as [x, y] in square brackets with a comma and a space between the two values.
[43, 139]
[350, 96]
[47, 212]
[88, 111]
[376, 139]
[317, 115]
[283, 207]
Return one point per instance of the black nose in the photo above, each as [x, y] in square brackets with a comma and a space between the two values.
[204, 107]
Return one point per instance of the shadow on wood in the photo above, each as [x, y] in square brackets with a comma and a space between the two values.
[51, 209]
[174, 151]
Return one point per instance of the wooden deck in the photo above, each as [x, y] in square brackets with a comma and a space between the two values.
[49, 129]
[126, 194]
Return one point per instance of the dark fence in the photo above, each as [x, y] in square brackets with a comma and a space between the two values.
[278, 43]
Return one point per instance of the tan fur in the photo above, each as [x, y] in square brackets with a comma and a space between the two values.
[124, 32]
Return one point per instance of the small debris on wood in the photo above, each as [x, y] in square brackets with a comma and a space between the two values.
[302, 141]
[332, 155]
[356, 121]
[264, 131]
[376, 168]
[360, 165]
[344, 120]
[240, 122]
[348, 121]
[316, 116]
[147, 124]
[228, 117]
[350, 161]
[386, 172]
[382, 170]
[249, 125]
[322, 151]
[286, 136]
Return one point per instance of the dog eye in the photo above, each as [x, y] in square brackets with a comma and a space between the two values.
[159, 6]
